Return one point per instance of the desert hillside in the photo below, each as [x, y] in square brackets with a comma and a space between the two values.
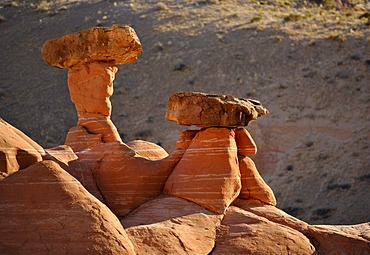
[309, 65]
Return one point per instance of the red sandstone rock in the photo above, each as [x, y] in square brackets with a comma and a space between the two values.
[83, 173]
[360, 230]
[92, 56]
[341, 240]
[79, 139]
[185, 139]
[44, 210]
[242, 232]
[253, 186]
[148, 150]
[17, 151]
[271, 213]
[90, 87]
[22, 135]
[62, 153]
[203, 110]
[169, 225]
[336, 242]
[125, 179]
[244, 142]
[117, 44]
[100, 126]
[208, 173]
[69, 161]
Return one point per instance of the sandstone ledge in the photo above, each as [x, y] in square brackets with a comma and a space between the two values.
[117, 44]
[204, 110]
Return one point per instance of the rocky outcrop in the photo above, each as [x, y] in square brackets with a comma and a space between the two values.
[79, 139]
[337, 242]
[211, 158]
[244, 142]
[169, 225]
[204, 110]
[117, 44]
[70, 162]
[92, 56]
[17, 151]
[242, 232]
[148, 150]
[342, 240]
[44, 210]
[216, 154]
[126, 179]
[253, 186]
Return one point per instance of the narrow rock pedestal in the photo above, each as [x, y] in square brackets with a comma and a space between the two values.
[92, 56]
[208, 173]
[215, 169]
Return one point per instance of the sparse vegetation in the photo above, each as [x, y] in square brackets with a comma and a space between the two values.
[256, 19]
[44, 6]
[11, 4]
[293, 17]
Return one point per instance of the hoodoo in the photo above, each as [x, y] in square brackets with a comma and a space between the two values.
[99, 195]
[91, 57]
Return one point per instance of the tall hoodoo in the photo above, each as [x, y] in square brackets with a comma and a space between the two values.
[216, 154]
[91, 57]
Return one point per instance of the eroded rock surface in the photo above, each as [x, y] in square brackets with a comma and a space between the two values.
[169, 225]
[204, 110]
[126, 179]
[117, 44]
[148, 150]
[17, 150]
[253, 186]
[79, 139]
[44, 210]
[208, 173]
[92, 56]
[242, 232]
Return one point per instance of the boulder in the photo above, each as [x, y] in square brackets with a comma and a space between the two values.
[204, 110]
[148, 150]
[169, 225]
[117, 44]
[271, 213]
[362, 230]
[244, 142]
[185, 139]
[327, 239]
[253, 186]
[69, 161]
[61, 153]
[126, 179]
[79, 139]
[17, 151]
[83, 173]
[208, 173]
[243, 232]
[331, 241]
[44, 210]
